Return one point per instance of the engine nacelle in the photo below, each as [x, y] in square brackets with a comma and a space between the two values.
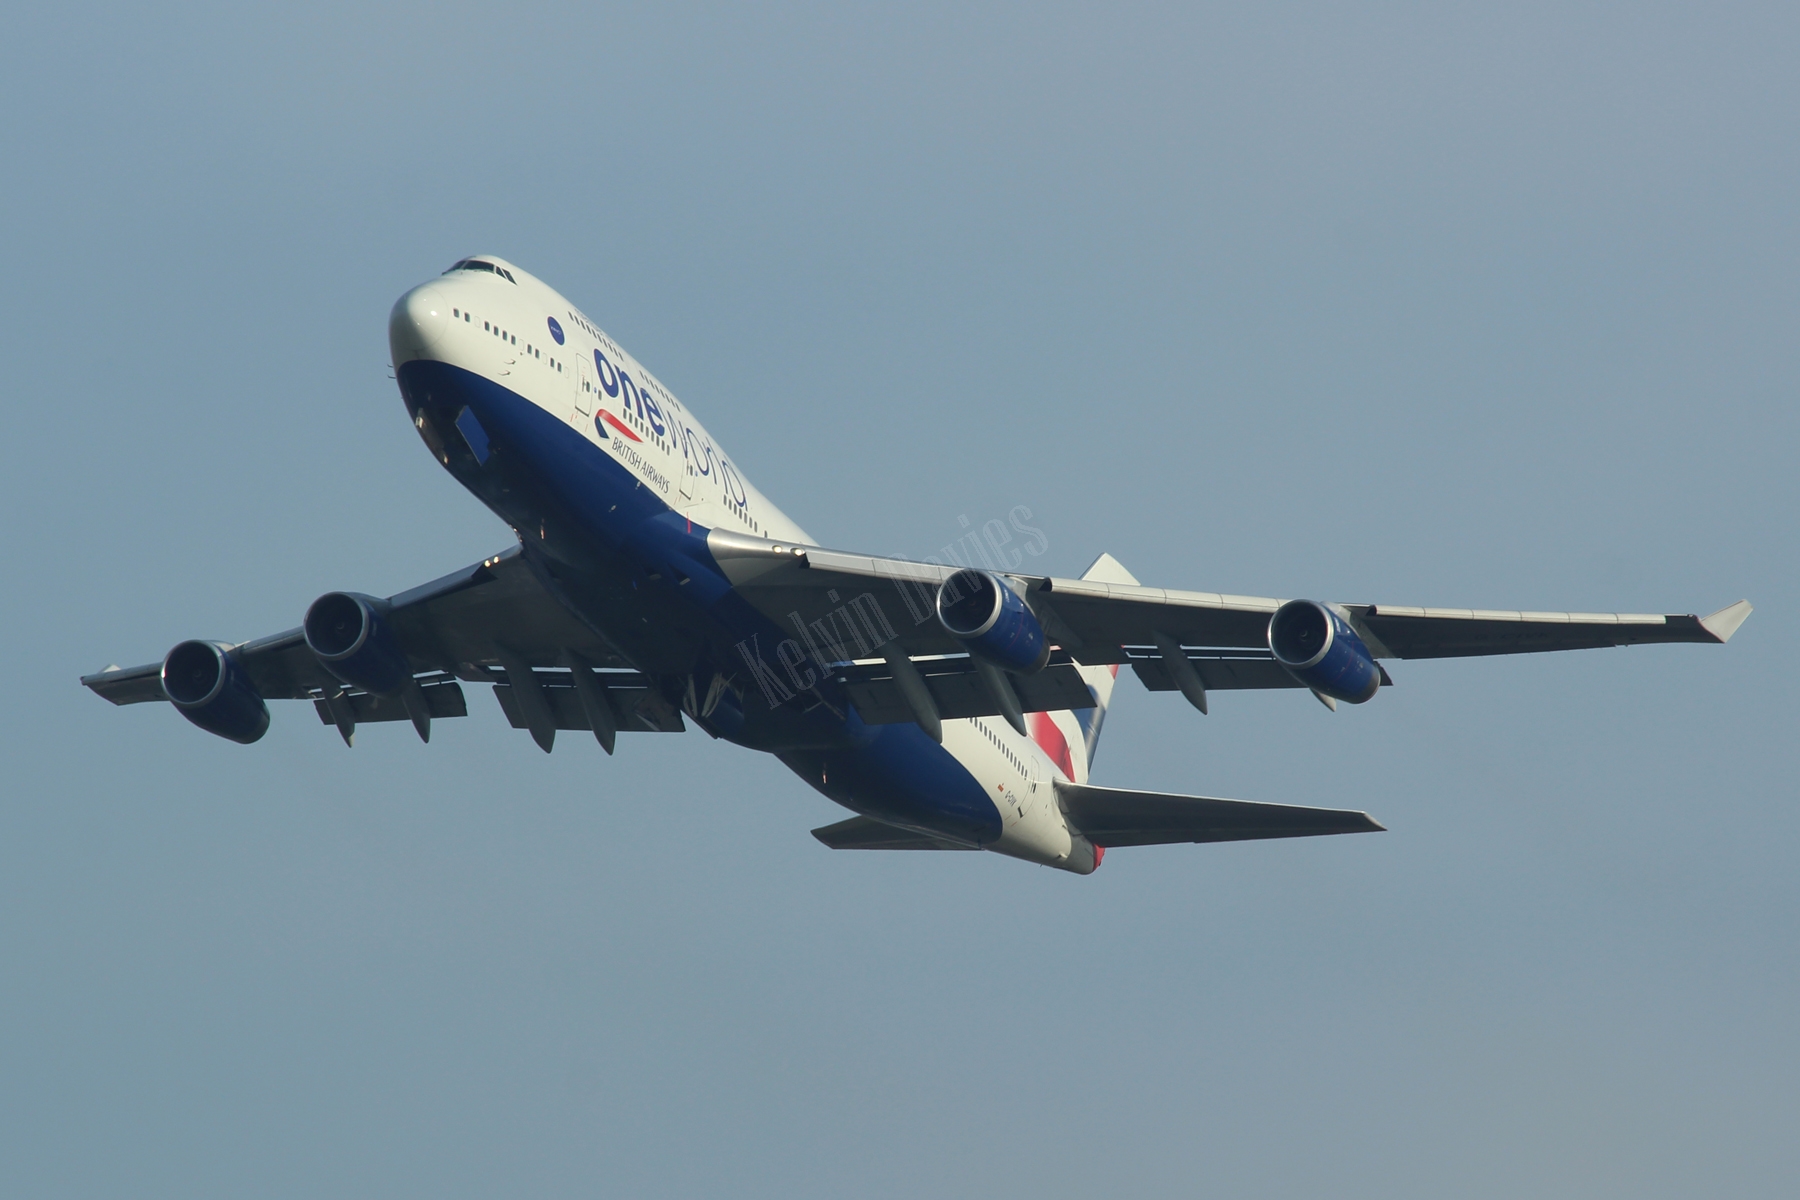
[1319, 648]
[991, 620]
[209, 687]
[349, 636]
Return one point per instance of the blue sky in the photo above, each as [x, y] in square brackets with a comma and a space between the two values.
[1396, 304]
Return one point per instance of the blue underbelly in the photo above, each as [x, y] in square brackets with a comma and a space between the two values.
[627, 555]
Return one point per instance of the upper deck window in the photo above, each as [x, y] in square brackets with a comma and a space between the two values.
[475, 264]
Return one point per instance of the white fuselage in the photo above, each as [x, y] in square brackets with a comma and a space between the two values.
[495, 327]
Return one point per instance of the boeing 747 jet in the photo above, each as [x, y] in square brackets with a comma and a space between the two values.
[947, 707]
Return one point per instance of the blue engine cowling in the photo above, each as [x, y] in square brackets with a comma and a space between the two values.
[209, 687]
[1319, 648]
[349, 636]
[992, 621]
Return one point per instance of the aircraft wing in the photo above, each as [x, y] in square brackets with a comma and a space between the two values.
[1459, 633]
[1114, 817]
[857, 597]
[1109, 617]
[477, 625]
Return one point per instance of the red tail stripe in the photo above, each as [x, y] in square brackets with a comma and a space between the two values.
[1050, 739]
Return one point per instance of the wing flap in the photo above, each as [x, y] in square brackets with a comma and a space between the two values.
[443, 699]
[637, 707]
[958, 692]
[1113, 817]
[1223, 671]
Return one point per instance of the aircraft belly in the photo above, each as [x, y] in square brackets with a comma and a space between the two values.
[616, 554]
[1032, 825]
[612, 548]
[1040, 835]
[575, 509]
[899, 775]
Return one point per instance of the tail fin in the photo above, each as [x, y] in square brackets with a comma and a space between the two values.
[1070, 737]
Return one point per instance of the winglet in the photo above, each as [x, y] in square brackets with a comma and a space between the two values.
[1725, 622]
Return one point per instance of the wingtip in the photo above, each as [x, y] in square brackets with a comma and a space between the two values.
[1725, 622]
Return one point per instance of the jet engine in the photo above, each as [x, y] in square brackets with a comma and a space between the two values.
[209, 687]
[349, 636]
[991, 620]
[1319, 648]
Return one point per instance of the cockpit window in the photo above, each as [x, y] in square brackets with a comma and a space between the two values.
[475, 264]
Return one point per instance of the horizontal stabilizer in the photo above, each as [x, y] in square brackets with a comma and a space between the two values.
[862, 833]
[1114, 817]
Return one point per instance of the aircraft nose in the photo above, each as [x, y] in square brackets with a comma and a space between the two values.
[417, 324]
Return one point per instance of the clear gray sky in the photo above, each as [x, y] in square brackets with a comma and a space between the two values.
[1486, 307]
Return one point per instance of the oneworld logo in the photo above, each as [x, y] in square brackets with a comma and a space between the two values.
[634, 398]
[555, 330]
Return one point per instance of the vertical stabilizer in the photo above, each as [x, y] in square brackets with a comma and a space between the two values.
[1107, 569]
[1069, 738]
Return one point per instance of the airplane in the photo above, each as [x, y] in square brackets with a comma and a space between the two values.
[947, 705]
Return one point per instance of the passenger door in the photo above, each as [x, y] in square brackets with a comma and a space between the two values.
[584, 389]
[685, 476]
